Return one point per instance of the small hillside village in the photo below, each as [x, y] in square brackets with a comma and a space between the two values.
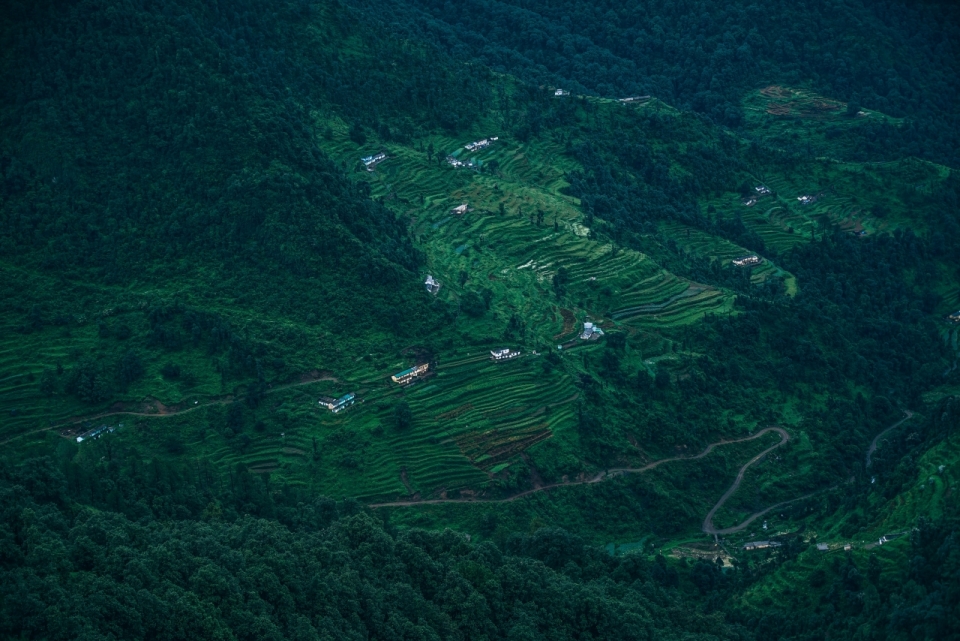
[480, 144]
[477, 145]
[455, 162]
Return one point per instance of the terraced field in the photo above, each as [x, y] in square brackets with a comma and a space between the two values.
[699, 243]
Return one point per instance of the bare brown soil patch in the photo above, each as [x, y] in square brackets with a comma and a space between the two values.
[489, 448]
[569, 322]
[776, 91]
[454, 413]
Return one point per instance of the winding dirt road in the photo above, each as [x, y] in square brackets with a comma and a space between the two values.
[611, 473]
[708, 521]
[707, 526]
[876, 439]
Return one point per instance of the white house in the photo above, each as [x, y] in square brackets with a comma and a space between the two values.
[503, 354]
[760, 545]
[410, 375]
[432, 285]
[480, 144]
[591, 332]
[371, 161]
[746, 261]
[337, 405]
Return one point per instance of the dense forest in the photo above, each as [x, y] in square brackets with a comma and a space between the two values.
[895, 57]
[193, 250]
[313, 568]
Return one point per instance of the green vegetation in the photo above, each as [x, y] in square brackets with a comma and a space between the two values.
[195, 258]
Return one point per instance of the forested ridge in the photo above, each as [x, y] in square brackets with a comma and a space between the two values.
[143, 133]
[895, 57]
[192, 252]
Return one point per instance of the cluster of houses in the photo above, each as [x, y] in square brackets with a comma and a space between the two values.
[760, 545]
[823, 547]
[455, 162]
[337, 405]
[807, 200]
[747, 261]
[561, 92]
[763, 190]
[411, 375]
[480, 144]
[432, 285]
[97, 432]
[370, 162]
[590, 332]
[503, 354]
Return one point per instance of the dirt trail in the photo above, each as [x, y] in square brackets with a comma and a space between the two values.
[708, 521]
[600, 476]
[166, 411]
[707, 526]
[876, 439]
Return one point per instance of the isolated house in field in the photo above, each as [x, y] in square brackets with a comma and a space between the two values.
[823, 547]
[372, 161]
[408, 376]
[807, 200]
[634, 99]
[503, 354]
[95, 433]
[561, 92]
[460, 210]
[591, 332]
[337, 405]
[432, 285]
[746, 261]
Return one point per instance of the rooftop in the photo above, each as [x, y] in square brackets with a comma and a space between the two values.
[746, 260]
